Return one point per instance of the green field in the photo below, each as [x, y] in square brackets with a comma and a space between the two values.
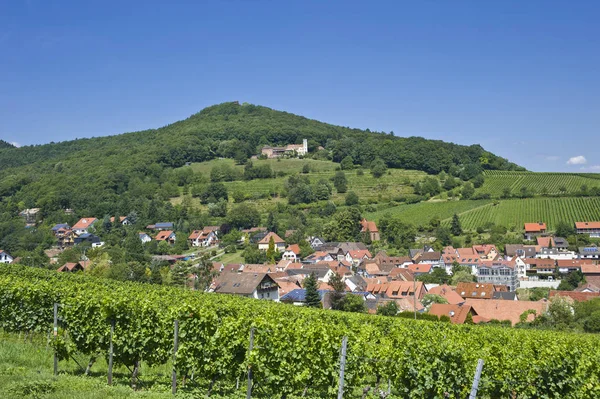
[538, 183]
[509, 213]
[423, 212]
[513, 213]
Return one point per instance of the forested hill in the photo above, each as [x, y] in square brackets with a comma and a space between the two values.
[84, 173]
[4, 144]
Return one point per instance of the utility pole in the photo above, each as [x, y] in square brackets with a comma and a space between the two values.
[249, 387]
[475, 385]
[415, 296]
[175, 348]
[342, 368]
[55, 337]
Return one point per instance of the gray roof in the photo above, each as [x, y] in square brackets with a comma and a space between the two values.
[239, 283]
[319, 272]
[528, 250]
[509, 296]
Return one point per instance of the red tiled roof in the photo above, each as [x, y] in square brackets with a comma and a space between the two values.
[575, 295]
[121, 218]
[476, 290]
[84, 223]
[360, 254]
[163, 235]
[535, 227]
[295, 248]
[399, 273]
[447, 292]
[590, 269]
[420, 268]
[368, 225]
[456, 313]
[276, 239]
[506, 310]
[587, 225]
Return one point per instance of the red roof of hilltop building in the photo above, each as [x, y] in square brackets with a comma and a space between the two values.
[587, 225]
[535, 227]
[276, 239]
[84, 223]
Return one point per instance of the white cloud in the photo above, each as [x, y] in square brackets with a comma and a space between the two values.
[578, 160]
[552, 158]
[15, 144]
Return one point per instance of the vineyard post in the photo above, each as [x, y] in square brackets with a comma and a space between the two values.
[110, 352]
[175, 347]
[475, 386]
[342, 368]
[249, 388]
[55, 330]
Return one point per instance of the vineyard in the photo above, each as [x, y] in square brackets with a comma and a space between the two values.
[496, 182]
[421, 213]
[514, 213]
[295, 351]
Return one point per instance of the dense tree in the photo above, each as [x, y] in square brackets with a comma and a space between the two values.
[243, 216]
[312, 297]
[351, 199]
[347, 163]
[564, 229]
[397, 233]
[339, 289]
[340, 182]
[378, 167]
[272, 224]
[467, 191]
[437, 276]
[389, 309]
[455, 227]
[344, 226]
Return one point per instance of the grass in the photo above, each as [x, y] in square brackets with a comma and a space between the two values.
[235, 257]
[26, 371]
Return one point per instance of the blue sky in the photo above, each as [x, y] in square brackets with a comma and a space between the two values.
[520, 78]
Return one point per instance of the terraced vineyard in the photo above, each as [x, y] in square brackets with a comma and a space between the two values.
[513, 213]
[387, 187]
[539, 183]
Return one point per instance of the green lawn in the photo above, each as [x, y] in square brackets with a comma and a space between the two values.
[26, 371]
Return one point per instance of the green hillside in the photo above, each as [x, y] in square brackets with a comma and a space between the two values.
[5, 144]
[95, 175]
[497, 182]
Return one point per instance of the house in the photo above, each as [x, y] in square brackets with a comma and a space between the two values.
[533, 230]
[321, 271]
[432, 258]
[590, 228]
[166, 235]
[89, 238]
[357, 255]
[387, 263]
[70, 268]
[401, 274]
[122, 219]
[418, 269]
[397, 289]
[457, 313]
[496, 272]
[570, 265]
[591, 252]
[5, 257]
[298, 296]
[144, 238]
[590, 270]
[319, 256]
[575, 295]
[278, 241]
[60, 226]
[251, 285]
[553, 242]
[520, 250]
[65, 237]
[205, 237]
[160, 226]
[369, 227]
[485, 251]
[315, 242]
[29, 215]
[290, 149]
[52, 254]
[83, 225]
[494, 309]
[292, 253]
[447, 293]
[477, 290]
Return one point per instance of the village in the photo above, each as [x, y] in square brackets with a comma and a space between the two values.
[489, 291]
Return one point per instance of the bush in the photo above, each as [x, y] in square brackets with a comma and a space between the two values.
[351, 199]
